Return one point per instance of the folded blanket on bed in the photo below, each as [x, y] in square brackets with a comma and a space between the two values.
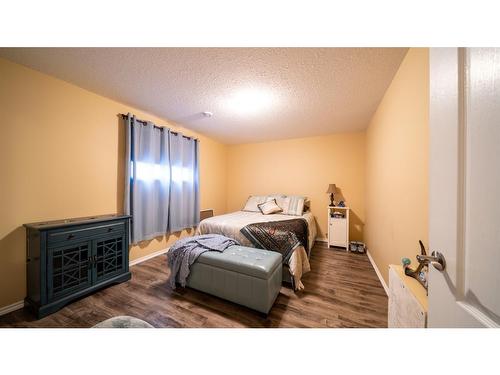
[185, 251]
[285, 237]
[281, 236]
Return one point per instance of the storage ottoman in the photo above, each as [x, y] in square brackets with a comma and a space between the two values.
[244, 275]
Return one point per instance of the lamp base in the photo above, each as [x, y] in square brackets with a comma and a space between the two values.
[332, 203]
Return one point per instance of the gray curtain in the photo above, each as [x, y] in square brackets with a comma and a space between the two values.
[161, 180]
[147, 180]
[184, 185]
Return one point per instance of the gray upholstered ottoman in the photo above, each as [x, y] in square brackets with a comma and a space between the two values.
[247, 276]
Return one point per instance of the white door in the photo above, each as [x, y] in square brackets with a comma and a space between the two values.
[464, 223]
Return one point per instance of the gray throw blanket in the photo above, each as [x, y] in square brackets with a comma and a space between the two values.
[185, 251]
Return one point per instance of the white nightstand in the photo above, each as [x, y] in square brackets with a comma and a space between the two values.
[338, 227]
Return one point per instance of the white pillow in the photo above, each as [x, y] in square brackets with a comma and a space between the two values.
[253, 201]
[269, 207]
[275, 196]
[293, 205]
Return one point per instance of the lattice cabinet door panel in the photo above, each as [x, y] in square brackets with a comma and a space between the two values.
[109, 257]
[68, 269]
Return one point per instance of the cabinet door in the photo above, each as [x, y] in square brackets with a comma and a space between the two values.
[68, 269]
[109, 257]
[338, 231]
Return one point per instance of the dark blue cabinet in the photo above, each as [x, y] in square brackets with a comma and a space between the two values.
[67, 259]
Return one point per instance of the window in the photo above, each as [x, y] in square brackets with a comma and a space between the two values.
[150, 172]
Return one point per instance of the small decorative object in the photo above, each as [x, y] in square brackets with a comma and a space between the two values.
[341, 204]
[332, 189]
[420, 274]
[406, 262]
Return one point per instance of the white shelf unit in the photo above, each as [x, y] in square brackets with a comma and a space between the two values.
[338, 227]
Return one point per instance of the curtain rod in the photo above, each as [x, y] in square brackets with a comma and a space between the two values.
[124, 116]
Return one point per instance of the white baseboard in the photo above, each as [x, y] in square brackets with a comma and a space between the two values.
[377, 271]
[15, 306]
[147, 257]
[322, 239]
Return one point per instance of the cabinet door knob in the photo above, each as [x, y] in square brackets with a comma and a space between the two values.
[70, 236]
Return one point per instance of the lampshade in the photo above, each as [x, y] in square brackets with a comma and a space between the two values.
[332, 189]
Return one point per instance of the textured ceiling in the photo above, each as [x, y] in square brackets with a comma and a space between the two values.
[302, 91]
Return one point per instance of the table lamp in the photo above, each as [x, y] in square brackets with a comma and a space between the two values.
[332, 189]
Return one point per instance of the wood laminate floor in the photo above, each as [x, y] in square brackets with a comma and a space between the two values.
[342, 290]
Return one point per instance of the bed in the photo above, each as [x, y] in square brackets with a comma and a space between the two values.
[230, 225]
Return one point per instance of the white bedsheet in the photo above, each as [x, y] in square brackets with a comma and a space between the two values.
[229, 225]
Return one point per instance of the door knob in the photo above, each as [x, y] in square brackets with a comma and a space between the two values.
[436, 259]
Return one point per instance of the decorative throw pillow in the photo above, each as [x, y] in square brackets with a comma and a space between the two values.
[253, 201]
[293, 205]
[269, 207]
[278, 197]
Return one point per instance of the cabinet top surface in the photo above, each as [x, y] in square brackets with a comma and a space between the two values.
[44, 225]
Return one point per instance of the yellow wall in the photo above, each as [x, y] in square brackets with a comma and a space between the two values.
[61, 155]
[302, 166]
[397, 143]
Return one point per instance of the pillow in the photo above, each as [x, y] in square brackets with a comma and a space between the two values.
[253, 201]
[275, 196]
[269, 207]
[280, 199]
[307, 205]
[293, 205]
